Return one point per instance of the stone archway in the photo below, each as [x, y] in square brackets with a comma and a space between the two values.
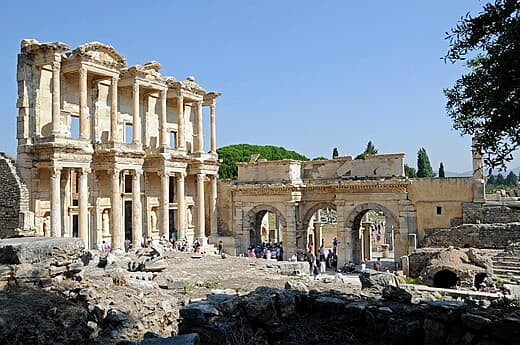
[353, 223]
[253, 219]
[301, 236]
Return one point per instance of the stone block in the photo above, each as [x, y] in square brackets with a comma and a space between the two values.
[32, 250]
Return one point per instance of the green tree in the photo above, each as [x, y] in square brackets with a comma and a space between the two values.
[369, 151]
[500, 180]
[511, 179]
[484, 102]
[232, 154]
[335, 152]
[409, 171]
[320, 158]
[424, 168]
[441, 170]
[491, 180]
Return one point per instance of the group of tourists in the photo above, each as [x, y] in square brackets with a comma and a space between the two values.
[266, 250]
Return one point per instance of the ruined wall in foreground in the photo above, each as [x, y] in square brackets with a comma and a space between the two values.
[15, 217]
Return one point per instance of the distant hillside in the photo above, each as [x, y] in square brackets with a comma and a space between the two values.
[232, 154]
[470, 173]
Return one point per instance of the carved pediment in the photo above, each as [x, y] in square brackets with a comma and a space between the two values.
[100, 53]
[189, 84]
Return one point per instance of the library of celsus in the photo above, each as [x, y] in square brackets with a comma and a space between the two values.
[110, 152]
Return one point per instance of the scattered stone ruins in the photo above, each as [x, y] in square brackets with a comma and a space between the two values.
[110, 152]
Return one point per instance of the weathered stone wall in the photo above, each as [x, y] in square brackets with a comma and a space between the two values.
[448, 194]
[491, 236]
[15, 218]
[274, 316]
[491, 212]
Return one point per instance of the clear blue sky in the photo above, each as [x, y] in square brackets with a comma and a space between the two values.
[306, 75]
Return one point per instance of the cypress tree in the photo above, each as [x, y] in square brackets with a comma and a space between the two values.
[441, 170]
[424, 168]
[511, 179]
[335, 153]
[500, 180]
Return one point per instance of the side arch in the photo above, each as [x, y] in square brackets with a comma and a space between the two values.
[253, 219]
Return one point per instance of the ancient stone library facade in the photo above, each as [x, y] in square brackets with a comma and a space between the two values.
[108, 152]
[111, 152]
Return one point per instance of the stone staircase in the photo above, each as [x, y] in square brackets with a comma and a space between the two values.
[506, 267]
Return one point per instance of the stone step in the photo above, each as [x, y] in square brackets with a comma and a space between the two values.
[506, 258]
[508, 271]
[506, 264]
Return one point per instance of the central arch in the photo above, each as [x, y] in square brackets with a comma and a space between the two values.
[303, 237]
[254, 218]
[353, 222]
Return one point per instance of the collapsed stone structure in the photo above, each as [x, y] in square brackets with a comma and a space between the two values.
[110, 152]
[295, 191]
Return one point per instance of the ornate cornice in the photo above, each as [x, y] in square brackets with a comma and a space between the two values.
[343, 188]
[100, 53]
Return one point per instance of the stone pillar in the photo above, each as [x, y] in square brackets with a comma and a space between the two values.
[213, 128]
[55, 202]
[163, 134]
[213, 206]
[136, 120]
[479, 184]
[200, 231]
[200, 135]
[289, 242]
[181, 207]
[83, 207]
[367, 241]
[56, 97]
[405, 263]
[137, 230]
[412, 243]
[115, 200]
[181, 144]
[164, 203]
[84, 129]
[114, 111]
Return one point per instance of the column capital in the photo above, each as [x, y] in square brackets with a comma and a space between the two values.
[55, 170]
[163, 174]
[201, 176]
[180, 174]
[135, 86]
[85, 170]
[56, 65]
[115, 173]
[115, 79]
[137, 173]
[83, 71]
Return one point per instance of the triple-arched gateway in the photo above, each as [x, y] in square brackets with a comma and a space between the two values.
[302, 203]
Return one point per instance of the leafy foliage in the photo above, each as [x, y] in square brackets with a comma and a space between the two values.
[484, 102]
[232, 154]
[369, 151]
[409, 171]
[424, 168]
[441, 170]
[320, 158]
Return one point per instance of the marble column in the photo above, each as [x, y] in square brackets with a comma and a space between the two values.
[213, 128]
[114, 111]
[213, 206]
[163, 134]
[56, 97]
[83, 207]
[200, 231]
[137, 230]
[84, 129]
[136, 120]
[115, 201]
[200, 135]
[181, 206]
[181, 141]
[55, 202]
[164, 203]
